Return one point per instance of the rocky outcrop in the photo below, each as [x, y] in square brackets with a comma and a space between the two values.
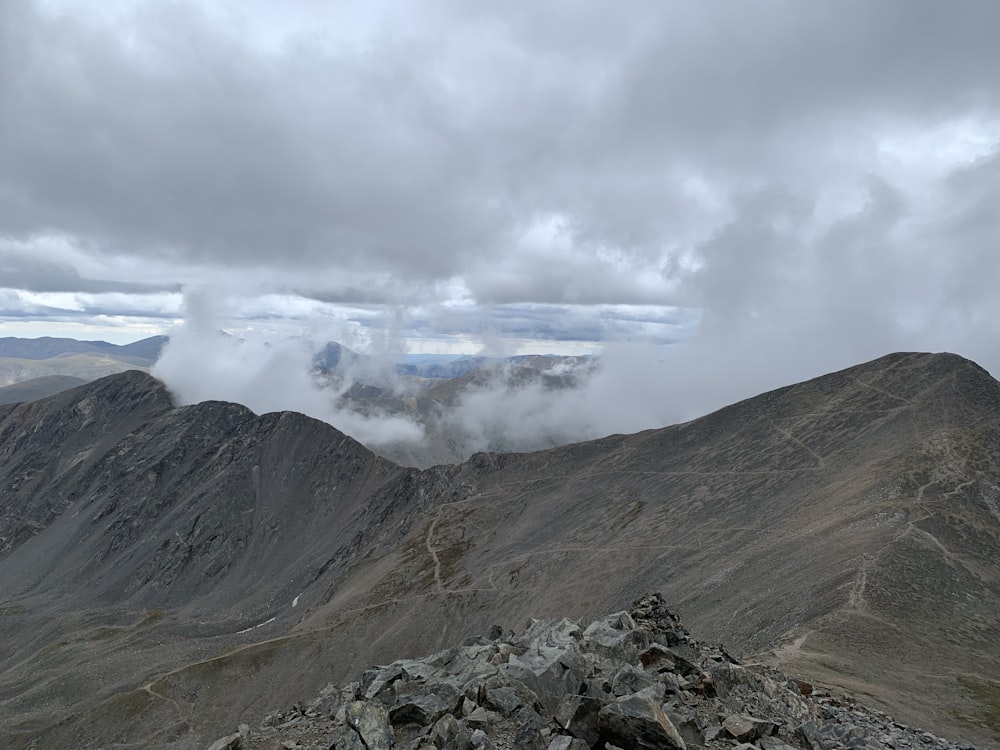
[632, 681]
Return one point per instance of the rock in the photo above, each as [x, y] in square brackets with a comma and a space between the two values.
[747, 728]
[230, 742]
[449, 734]
[615, 637]
[374, 681]
[478, 717]
[417, 709]
[327, 702]
[529, 738]
[637, 722]
[552, 665]
[807, 734]
[370, 720]
[628, 680]
[347, 738]
[503, 700]
[688, 727]
[505, 695]
[578, 715]
[481, 741]
[631, 681]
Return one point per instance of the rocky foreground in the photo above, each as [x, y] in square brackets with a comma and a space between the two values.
[632, 680]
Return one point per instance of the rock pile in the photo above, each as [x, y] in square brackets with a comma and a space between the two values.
[633, 681]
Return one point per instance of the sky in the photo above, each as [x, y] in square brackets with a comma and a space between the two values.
[761, 192]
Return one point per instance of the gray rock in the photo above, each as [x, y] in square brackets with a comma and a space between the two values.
[478, 717]
[503, 700]
[555, 689]
[449, 734]
[529, 739]
[374, 681]
[578, 715]
[552, 665]
[347, 738]
[417, 709]
[616, 637]
[808, 736]
[481, 741]
[370, 720]
[637, 722]
[687, 725]
[747, 728]
[628, 680]
[505, 695]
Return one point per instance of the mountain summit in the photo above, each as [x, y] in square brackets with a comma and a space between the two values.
[164, 569]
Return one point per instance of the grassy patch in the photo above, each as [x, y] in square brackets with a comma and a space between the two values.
[152, 616]
[987, 697]
[11, 608]
[105, 631]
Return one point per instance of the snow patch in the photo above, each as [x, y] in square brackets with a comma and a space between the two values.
[254, 627]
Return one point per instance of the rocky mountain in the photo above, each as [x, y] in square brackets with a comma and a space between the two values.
[629, 680]
[165, 572]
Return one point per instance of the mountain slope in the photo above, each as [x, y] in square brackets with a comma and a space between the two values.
[29, 359]
[36, 388]
[838, 527]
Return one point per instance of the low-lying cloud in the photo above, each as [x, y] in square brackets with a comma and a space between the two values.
[202, 363]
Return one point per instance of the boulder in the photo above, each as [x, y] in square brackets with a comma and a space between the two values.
[449, 734]
[578, 715]
[747, 728]
[636, 722]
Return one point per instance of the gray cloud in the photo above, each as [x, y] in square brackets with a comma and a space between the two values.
[816, 183]
[429, 152]
[41, 275]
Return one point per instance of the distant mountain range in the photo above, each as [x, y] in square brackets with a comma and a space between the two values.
[23, 360]
[143, 352]
[166, 572]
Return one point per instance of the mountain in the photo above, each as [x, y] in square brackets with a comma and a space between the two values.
[167, 571]
[29, 390]
[143, 352]
[23, 360]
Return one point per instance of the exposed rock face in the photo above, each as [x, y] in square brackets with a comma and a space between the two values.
[501, 693]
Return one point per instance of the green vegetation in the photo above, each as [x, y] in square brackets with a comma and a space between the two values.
[11, 608]
[152, 616]
[987, 695]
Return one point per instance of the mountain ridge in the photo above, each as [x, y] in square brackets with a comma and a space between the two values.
[791, 518]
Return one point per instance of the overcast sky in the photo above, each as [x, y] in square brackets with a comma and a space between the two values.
[784, 186]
